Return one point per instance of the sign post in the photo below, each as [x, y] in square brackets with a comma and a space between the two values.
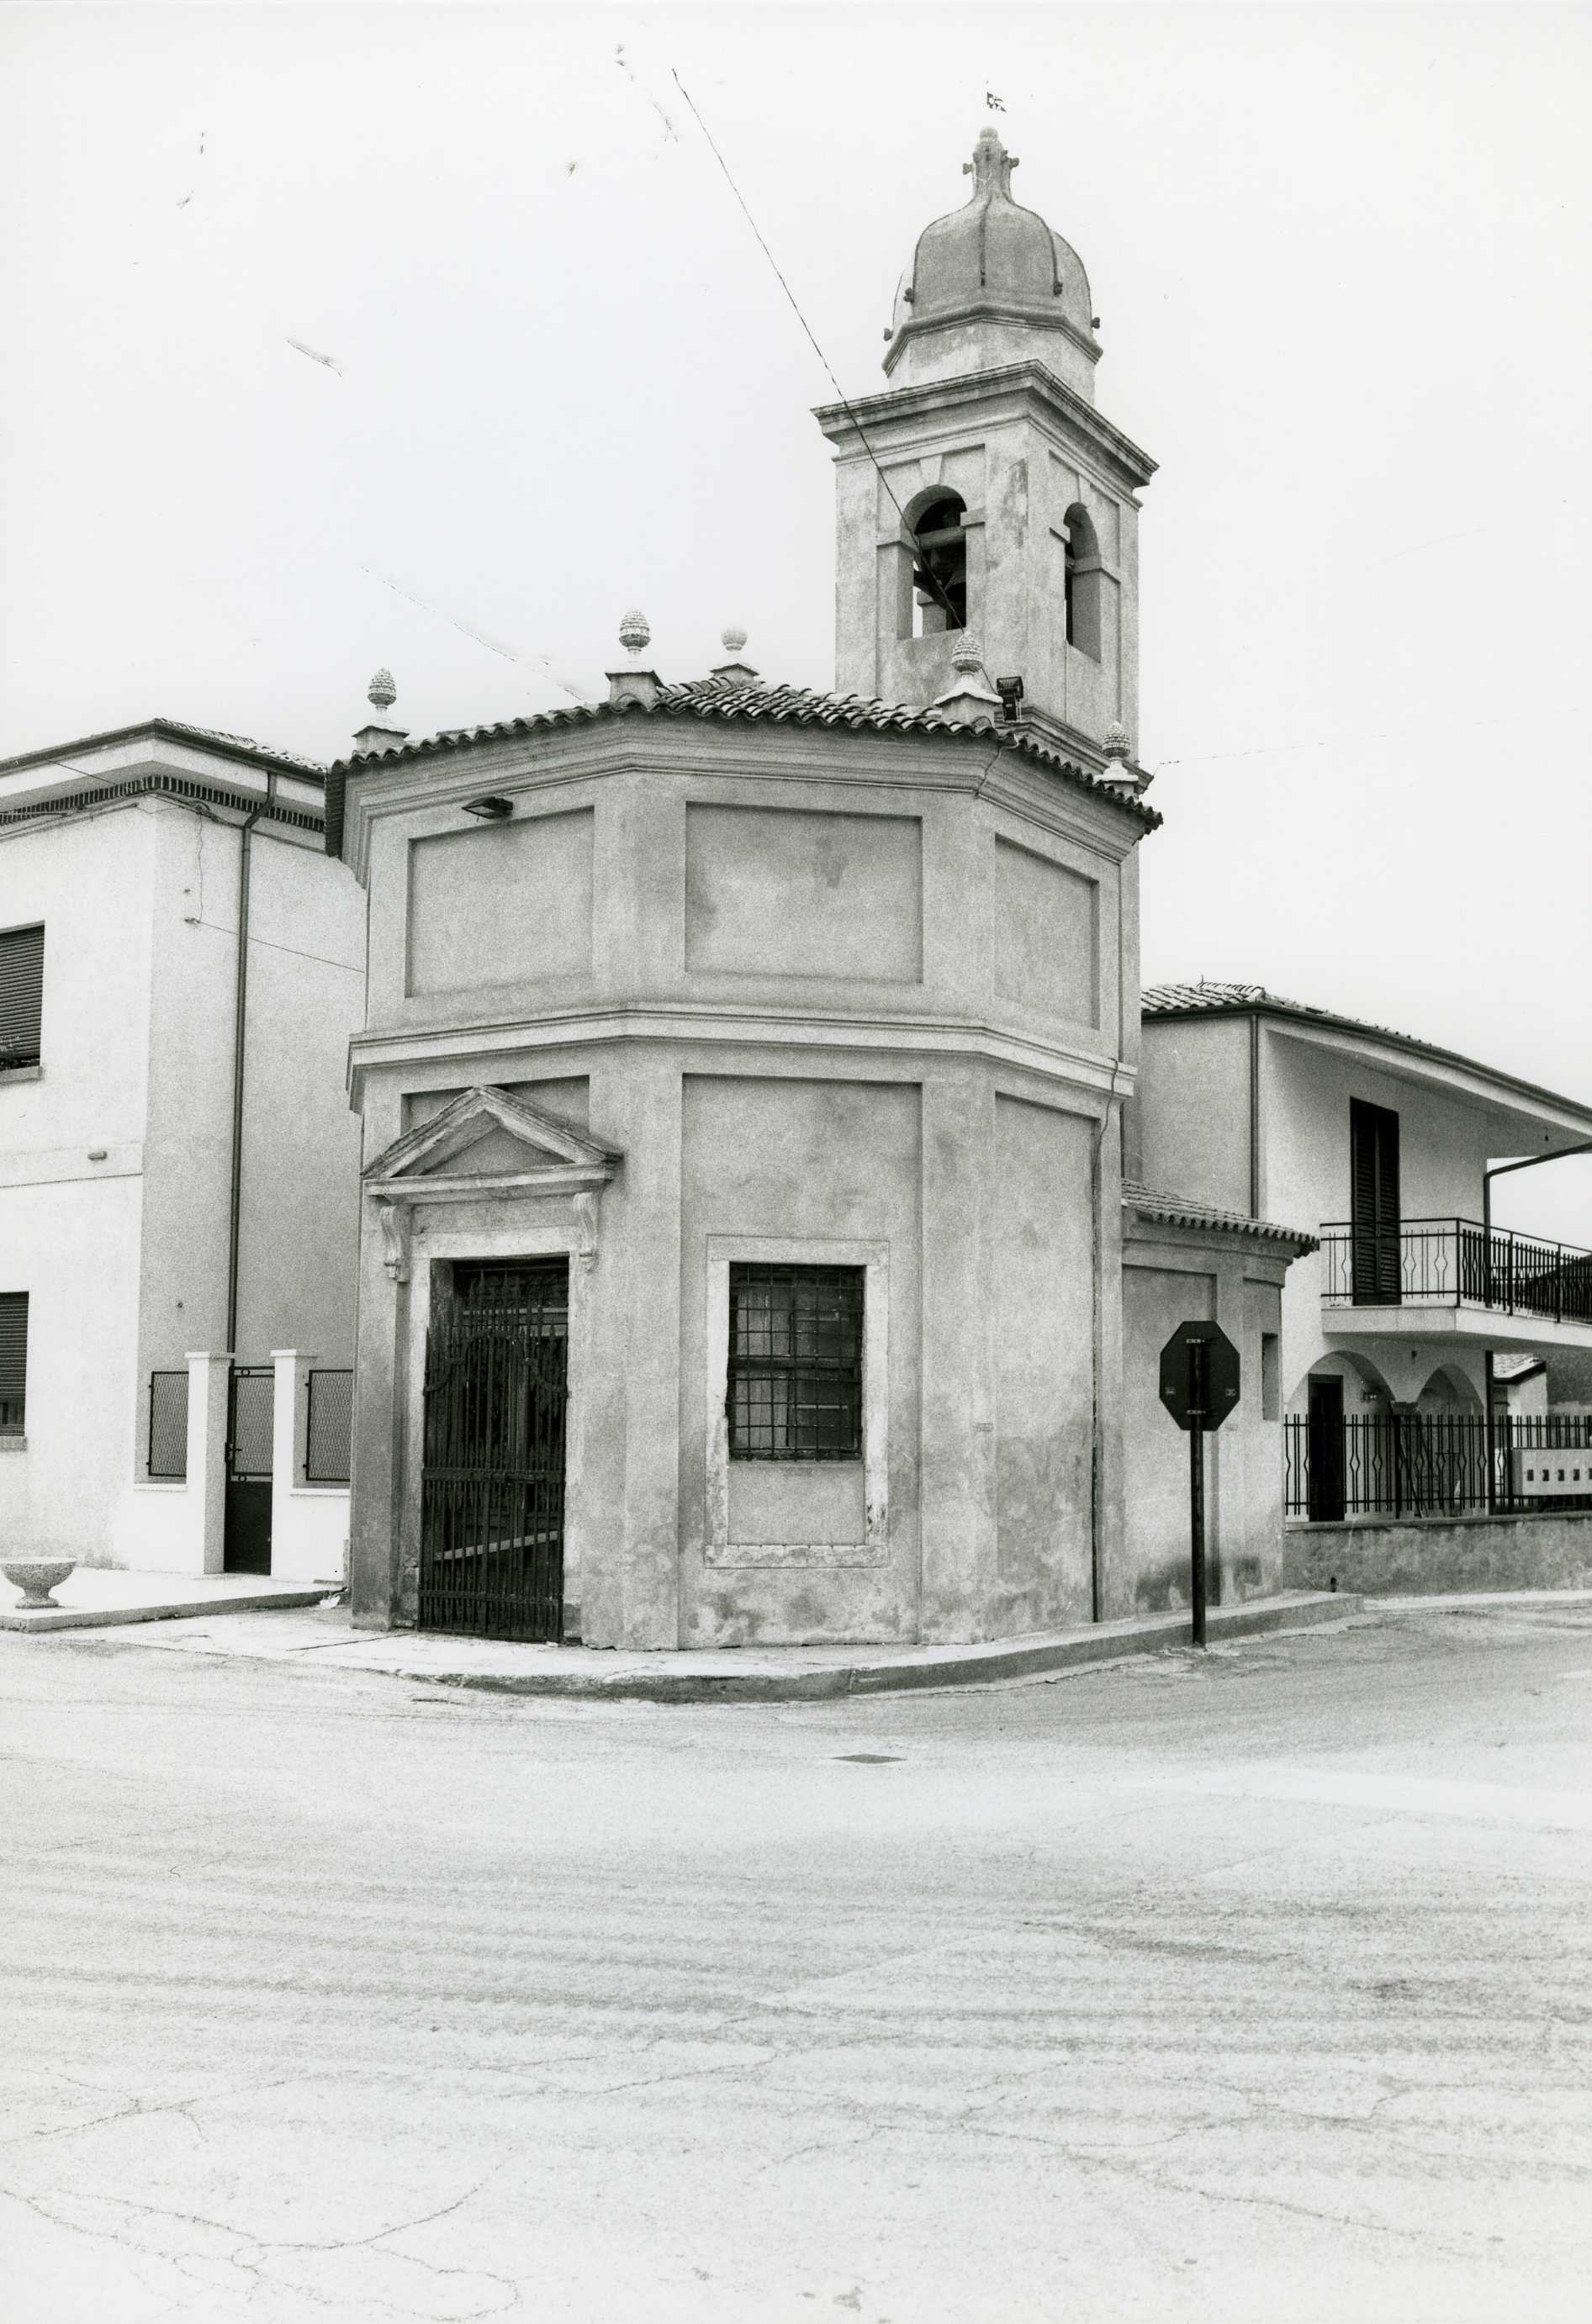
[1200, 1381]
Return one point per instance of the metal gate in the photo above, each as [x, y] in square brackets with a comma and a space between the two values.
[492, 1476]
[251, 1404]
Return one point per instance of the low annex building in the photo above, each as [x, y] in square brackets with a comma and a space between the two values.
[743, 1236]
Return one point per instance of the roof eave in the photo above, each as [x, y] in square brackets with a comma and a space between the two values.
[1511, 1087]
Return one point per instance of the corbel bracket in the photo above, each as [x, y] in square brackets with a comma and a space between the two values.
[394, 1218]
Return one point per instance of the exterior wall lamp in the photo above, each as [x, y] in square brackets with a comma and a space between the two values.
[490, 808]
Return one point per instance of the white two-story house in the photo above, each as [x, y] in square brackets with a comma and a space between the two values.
[181, 968]
[1380, 1145]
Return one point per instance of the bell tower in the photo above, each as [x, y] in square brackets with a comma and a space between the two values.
[981, 493]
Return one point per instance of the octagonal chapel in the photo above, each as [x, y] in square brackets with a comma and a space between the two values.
[743, 1243]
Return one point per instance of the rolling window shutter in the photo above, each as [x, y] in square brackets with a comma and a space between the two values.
[22, 993]
[14, 1354]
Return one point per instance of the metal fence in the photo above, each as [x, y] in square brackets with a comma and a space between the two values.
[168, 1424]
[1455, 1262]
[1420, 1464]
[328, 1430]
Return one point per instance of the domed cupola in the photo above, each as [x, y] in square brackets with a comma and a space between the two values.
[987, 278]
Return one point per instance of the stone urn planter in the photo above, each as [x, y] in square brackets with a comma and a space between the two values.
[36, 1577]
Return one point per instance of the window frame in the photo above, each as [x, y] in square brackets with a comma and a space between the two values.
[874, 1259]
[29, 1064]
[817, 1387]
[14, 1432]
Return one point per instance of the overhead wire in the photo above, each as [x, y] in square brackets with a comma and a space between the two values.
[846, 403]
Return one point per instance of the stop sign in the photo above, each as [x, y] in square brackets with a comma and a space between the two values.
[1200, 1374]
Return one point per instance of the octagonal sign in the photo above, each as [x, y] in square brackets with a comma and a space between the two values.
[1200, 1374]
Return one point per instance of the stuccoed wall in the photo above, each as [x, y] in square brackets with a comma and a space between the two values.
[1427, 1556]
[823, 988]
[1444, 1144]
[73, 1247]
[1174, 1276]
[1193, 1111]
[299, 1198]
[805, 1161]
[68, 1225]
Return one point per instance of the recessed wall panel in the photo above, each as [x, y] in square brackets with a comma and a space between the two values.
[501, 904]
[781, 891]
[1047, 935]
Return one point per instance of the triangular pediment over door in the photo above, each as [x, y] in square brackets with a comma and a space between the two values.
[486, 1145]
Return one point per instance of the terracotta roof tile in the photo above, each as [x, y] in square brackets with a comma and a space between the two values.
[1176, 1210]
[776, 706]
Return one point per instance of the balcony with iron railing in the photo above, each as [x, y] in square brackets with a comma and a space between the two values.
[1456, 1276]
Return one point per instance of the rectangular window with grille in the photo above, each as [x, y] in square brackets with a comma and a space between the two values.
[795, 1383]
[14, 1363]
[22, 994]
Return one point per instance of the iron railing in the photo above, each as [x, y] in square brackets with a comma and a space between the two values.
[1428, 1464]
[1455, 1263]
[492, 1474]
[328, 1428]
[168, 1424]
[251, 1413]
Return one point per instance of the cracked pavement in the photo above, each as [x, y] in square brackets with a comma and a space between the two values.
[1243, 1987]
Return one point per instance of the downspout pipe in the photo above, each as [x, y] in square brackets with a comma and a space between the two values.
[1502, 1170]
[240, 1005]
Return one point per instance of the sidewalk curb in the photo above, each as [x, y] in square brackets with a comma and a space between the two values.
[975, 1667]
[174, 1609]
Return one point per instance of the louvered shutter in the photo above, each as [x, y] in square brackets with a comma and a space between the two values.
[22, 993]
[14, 1358]
[1373, 1202]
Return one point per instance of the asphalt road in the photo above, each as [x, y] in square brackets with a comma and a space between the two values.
[1246, 1987]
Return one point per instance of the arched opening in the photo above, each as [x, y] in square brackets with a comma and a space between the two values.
[940, 565]
[1081, 582]
[1447, 1391]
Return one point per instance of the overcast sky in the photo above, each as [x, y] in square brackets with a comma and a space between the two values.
[542, 373]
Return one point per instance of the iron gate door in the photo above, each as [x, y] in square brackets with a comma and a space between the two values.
[251, 1404]
[492, 1474]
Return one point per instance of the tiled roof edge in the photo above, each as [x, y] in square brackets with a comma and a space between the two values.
[235, 746]
[1233, 1000]
[772, 706]
[1175, 1211]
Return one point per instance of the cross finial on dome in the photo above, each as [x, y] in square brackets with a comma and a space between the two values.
[991, 167]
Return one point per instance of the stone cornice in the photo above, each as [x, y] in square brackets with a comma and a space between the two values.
[684, 1024]
[1012, 384]
[955, 315]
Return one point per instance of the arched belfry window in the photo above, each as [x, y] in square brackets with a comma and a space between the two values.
[940, 565]
[1081, 583]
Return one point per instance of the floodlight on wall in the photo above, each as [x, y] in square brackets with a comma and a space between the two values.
[1010, 690]
[490, 808]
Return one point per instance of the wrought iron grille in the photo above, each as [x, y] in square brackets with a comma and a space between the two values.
[795, 1379]
[1415, 1464]
[168, 1424]
[328, 1427]
[1455, 1262]
[251, 1412]
[492, 1501]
